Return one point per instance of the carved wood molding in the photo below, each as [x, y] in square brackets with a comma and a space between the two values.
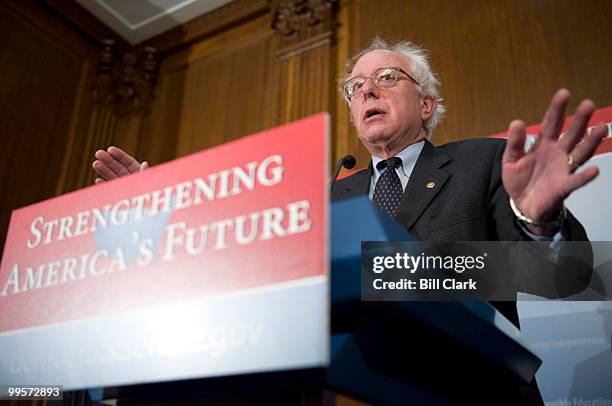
[74, 16]
[207, 25]
[125, 81]
[302, 24]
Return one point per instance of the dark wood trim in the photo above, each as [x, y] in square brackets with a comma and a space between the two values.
[207, 25]
[82, 21]
[31, 13]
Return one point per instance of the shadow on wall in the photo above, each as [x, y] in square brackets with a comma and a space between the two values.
[574, 338]
[593, 376]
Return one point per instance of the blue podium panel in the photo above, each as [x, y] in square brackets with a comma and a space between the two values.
[346, 237]
[402, 352]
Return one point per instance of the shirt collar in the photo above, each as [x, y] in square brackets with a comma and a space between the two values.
[409, 156]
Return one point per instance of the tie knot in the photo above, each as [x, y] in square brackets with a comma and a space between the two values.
[389, 163]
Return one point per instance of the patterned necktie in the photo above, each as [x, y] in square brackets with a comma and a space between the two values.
[388, 190]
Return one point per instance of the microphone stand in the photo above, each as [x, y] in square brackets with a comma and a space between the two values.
[348, 161]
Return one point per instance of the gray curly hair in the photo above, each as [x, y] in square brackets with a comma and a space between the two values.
[429, 85]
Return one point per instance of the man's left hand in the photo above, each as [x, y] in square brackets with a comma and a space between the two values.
[539, 181]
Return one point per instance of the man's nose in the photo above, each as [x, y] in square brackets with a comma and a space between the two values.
[368, 89]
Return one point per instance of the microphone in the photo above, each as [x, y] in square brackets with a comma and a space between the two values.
[348, 161]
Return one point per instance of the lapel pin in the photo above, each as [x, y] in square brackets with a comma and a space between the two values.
[431, 185]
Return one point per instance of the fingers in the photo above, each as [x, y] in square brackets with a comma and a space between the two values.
[104, 171]
[111, 163]
[114, 163]
[555, 115]
[576, 130]
[125, 159]
[99, 180]
[584, 151]
[516, 142]
[580, 179]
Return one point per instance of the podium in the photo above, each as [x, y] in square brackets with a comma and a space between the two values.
[384, 352]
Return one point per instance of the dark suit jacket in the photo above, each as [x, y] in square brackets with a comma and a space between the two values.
[467, 203]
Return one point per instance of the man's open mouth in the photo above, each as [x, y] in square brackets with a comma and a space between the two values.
[372, 113]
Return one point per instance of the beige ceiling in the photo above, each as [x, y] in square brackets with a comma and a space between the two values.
[139, 20]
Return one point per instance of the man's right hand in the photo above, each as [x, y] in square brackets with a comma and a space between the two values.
[114, 163]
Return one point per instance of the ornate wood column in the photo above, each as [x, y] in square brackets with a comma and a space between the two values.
[114, 113]
[122, 96]
[305, 55]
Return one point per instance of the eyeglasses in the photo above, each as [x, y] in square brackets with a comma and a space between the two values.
[382, 78]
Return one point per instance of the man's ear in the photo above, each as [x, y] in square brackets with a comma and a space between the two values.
[428, 106]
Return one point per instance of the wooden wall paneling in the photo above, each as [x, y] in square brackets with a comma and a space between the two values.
[247, 89]
[219, 84]
[77, 171]
[103, 128]
[158, 142]
[305, 82]
[345, 139]
[43, 66]
[129, 131]
[272, 84]
[72, 175]
[499, 60]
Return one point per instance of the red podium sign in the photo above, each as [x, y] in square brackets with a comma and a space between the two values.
[242, 217]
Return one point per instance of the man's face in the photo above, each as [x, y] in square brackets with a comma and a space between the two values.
[390, 118]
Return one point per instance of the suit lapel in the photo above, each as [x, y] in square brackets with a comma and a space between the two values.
[426, 181]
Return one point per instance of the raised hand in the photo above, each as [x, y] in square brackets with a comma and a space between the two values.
[539, 181]
[114, 163]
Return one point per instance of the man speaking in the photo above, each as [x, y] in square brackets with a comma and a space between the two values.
[475, 190]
